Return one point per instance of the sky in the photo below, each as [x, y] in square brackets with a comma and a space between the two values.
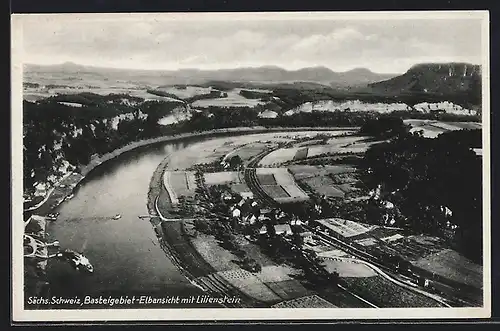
[388, 44]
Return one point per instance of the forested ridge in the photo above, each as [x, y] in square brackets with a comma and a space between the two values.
[435, 183]
[420, 176]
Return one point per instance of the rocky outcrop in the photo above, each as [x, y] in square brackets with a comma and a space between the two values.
[436, 78]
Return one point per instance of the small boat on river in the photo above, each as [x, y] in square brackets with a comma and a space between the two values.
[117, 216]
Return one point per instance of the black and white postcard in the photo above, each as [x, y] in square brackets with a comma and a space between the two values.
[246, 166]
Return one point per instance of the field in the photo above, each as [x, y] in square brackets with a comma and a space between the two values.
[272, 284]
[233, 99]
[179, 183]
[348, 144]
[275, 191]
[266, 179]
[300, 154]
[433, 128]
[279, 156]
[247, 151]
[414, 248]
[133, 90]
[384, 293]
[187, 92]
[451, 265]
[332, 181]
[324, 186]
[231, 178]
[308, 171]
[214, 149]
[279, 184]
[312, 301]
[344, 228]
[379, 232]
[348, 268]
[224, 177]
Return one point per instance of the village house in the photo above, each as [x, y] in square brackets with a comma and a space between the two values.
[307, 237]
[40, 189]
[279, 229]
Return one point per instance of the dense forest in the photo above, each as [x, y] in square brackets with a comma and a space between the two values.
[430, 181]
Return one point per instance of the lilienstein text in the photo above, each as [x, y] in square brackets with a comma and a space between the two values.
[133, 300]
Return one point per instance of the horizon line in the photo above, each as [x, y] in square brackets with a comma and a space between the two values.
[244, 67]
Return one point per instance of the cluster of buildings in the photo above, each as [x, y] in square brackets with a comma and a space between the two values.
[247, 212]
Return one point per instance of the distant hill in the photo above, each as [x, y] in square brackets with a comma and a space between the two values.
[435, 78]
[265, 74]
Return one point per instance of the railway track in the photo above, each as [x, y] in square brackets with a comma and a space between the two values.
[250, 175]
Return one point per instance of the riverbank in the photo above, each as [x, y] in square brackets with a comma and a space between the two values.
[176, 246]
[68, 184]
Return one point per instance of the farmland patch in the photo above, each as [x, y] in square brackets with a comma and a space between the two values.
[233, 99]
[450, 264]
[179, 183]
[266, 179]
[275, 191]
[223, 177]
[324, 185]
[279, 156]
[384, 293]
[186, 91]
[285, 186]
[300, 154]
[247, 151]
[312, 301]
[306, 171]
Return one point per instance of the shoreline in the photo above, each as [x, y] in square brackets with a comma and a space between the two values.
[85, 170]
[173, 236]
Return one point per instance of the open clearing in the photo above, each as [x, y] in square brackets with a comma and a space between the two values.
[452, 265]
[179, 183]
[432, 128]
[384, 293]
[187, 92]
[233, 99]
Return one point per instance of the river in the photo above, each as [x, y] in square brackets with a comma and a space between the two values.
[125, 252]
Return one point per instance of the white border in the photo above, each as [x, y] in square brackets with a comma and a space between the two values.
[21, 315]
